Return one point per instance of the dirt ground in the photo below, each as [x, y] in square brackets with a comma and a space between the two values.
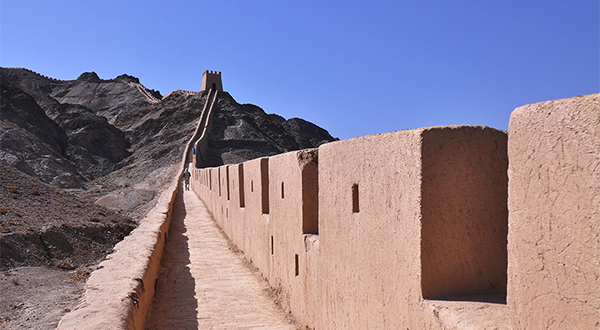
[37, 297]
[50, 241]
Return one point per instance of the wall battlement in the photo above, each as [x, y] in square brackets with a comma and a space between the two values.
[343, 219]
[390, 231]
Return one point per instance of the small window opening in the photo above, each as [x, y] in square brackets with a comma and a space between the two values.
[355, 208]
[282, 194]
[251, 186]
[271, 244]
[297, 266]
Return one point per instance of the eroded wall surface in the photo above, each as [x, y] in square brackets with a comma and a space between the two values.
[554, 214]
[341, 232]
[418, 229]
[402, 216]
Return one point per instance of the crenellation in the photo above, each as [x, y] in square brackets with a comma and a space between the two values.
[360, 243]
[38, 74]
[411, 223]
[211, 80]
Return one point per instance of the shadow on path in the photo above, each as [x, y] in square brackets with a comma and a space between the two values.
[175, 304]
[203, 284]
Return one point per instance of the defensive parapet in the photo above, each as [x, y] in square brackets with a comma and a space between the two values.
[201, 144]
[151, 98]
[362, 233]
[403, 230]
[428, 228]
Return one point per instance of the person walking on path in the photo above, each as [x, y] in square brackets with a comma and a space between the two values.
[186, 178]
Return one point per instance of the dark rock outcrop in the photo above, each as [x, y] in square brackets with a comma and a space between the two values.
[115, 137]
[89, 76]
[114, 143]
[244, 131]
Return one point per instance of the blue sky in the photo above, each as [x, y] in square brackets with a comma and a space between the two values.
[352, 67]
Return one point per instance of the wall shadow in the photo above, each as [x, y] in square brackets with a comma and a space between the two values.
[175, 305]
[499, 298]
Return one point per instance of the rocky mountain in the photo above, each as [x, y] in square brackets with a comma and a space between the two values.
[118, 143]
[243, 132]
[82, 161]
[116, 137]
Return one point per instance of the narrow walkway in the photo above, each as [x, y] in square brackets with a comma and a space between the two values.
[205, 285]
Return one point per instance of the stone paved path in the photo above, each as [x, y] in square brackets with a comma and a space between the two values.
[205, 285]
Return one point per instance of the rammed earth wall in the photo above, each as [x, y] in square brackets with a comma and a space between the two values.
[415, 227]
[356, 234]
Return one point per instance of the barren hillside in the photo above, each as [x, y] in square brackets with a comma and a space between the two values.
[83, 160]
[115, 140]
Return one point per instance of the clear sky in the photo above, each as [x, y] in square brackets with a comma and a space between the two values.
[352, 67]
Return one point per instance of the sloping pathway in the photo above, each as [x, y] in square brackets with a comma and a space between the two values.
[205, 285]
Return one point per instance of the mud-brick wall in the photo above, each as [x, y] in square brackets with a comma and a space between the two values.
[409, 215]
[554, 214]
[356, 235]
[369, 232]
[235, 226]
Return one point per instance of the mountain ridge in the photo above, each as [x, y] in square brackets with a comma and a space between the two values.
[114, 142]
[106, 121]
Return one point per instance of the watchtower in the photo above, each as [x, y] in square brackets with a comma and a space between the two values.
[211, 79]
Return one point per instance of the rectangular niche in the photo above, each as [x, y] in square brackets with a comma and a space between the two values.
[464, 223]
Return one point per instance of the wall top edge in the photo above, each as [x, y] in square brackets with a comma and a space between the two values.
[415, 131]
[574, 98]
[555, 105]
[419, 131]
